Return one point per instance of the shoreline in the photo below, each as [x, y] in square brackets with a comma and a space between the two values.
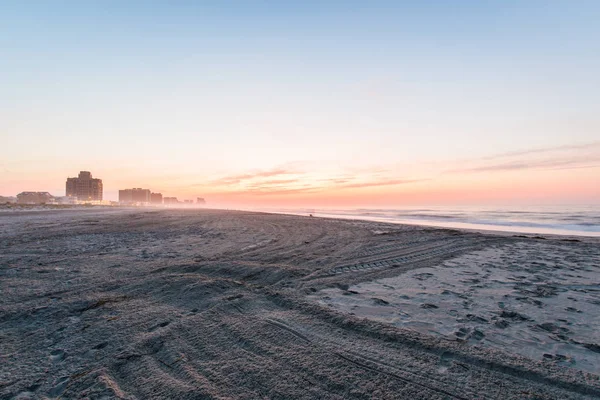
[463, 226]
[472, 227]
[505, 233]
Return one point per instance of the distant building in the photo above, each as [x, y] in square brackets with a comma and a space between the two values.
[9, 199]
[170, 200]
[200, 200]
[156, 198]
[188, 201]
[34, 198]
[125, 196]
[84, 187]
[135, 195]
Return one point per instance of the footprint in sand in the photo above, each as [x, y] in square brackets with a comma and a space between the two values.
[57, 355]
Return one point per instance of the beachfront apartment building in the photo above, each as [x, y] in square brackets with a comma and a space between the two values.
[34, 198]
[84, 187]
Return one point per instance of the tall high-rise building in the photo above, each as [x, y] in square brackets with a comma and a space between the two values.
[135, 195]
[84, 187]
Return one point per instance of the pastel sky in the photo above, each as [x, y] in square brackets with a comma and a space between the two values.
[305, 103]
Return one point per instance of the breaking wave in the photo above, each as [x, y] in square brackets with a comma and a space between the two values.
[583, 221]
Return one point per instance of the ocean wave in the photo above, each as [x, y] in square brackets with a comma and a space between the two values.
[568, 221]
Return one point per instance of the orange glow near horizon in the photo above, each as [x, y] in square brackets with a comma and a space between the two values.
[554, 176]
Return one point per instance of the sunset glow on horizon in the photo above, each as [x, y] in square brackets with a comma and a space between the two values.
[305, 105]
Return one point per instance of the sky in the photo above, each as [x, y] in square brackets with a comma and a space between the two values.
[305, 104]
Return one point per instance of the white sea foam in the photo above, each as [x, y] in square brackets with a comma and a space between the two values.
[567, 220]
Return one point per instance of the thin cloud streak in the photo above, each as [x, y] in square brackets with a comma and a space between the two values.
[275, 191]
[311, 188]
[524, 165]
[275, 187]
[390, 182]
[236, 179]
[275, 182]
[585, 146]
[576, 167]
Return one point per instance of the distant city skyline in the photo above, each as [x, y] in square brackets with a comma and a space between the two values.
[305, 104]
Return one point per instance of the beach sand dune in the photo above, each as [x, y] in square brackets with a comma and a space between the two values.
[188, 304]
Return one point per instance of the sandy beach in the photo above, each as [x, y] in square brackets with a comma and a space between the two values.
[193, 304]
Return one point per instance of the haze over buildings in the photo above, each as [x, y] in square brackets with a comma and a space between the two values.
[88, 190]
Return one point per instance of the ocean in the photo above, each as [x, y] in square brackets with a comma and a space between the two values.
[561, 220]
